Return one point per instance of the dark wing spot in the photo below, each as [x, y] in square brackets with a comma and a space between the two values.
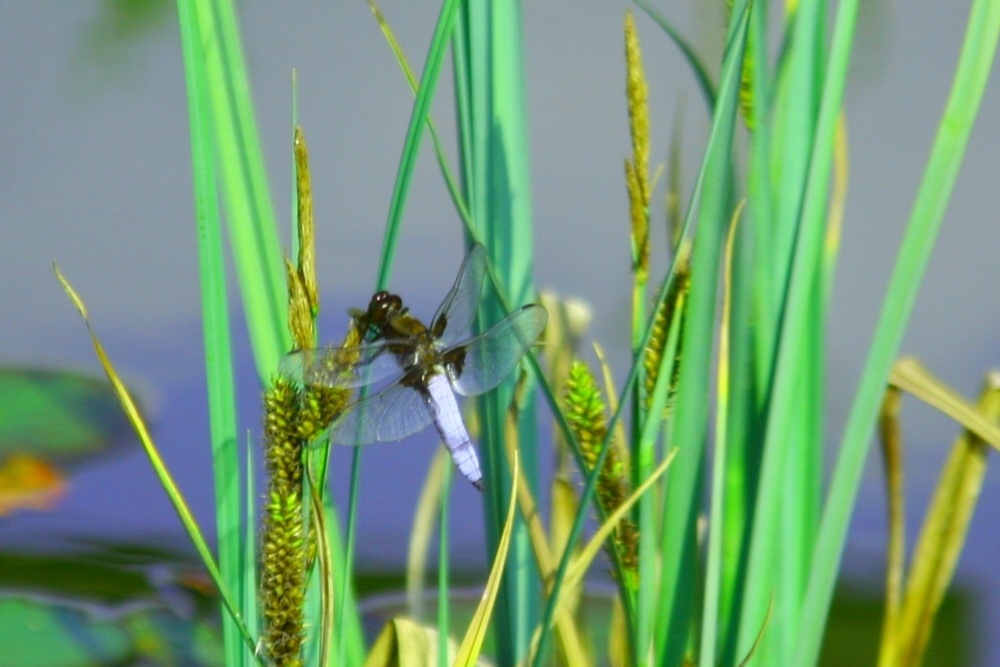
[455, 358]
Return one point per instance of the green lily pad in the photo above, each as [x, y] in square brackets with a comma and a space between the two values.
[35, 633]
[57, 415]
[79, 576]
[106, 604]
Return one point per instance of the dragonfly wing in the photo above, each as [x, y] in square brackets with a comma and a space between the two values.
[392, 414]
[490, 358]
[343, 366]
[455, 315]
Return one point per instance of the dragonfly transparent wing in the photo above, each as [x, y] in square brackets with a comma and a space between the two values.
[491, 357]
[344, 366]
[458, 310]
[392, 414]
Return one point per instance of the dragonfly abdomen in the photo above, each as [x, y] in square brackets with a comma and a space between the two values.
[451, 428]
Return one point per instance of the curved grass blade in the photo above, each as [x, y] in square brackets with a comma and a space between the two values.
[453, 187]
[248, 591]
[943, 534]
[568, 636]
[324, 559]
[909, 375]
[472, 642]
[892, 457]
[166, 480]
[414, 134]
[752, 651]
[406, 643]
[579, 564]
[424, 519]
[697, 66]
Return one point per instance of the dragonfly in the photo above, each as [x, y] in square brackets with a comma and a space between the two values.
[426, 366]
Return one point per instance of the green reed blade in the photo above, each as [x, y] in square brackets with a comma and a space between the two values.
[780, 548]
[683, 496]
[249, 213]
[978, 54]
[494, 150]
[216, 332]
[716, 520]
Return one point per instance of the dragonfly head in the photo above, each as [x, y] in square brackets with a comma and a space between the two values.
[373, 322]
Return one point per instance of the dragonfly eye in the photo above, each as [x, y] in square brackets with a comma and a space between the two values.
[381, 309]
[382, 306]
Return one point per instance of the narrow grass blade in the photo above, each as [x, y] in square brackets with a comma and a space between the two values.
[248, 556]
[614, 398]
[578, 564]
[838, 197]
[697, 66]
[346, 560]
[667, 375]
[581, 563]
[325, 569]
[444, 567]
[349, 637]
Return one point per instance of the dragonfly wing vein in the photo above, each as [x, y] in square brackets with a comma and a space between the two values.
[491, 357]
[342, 366]
[461, 303]
[392, 414]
